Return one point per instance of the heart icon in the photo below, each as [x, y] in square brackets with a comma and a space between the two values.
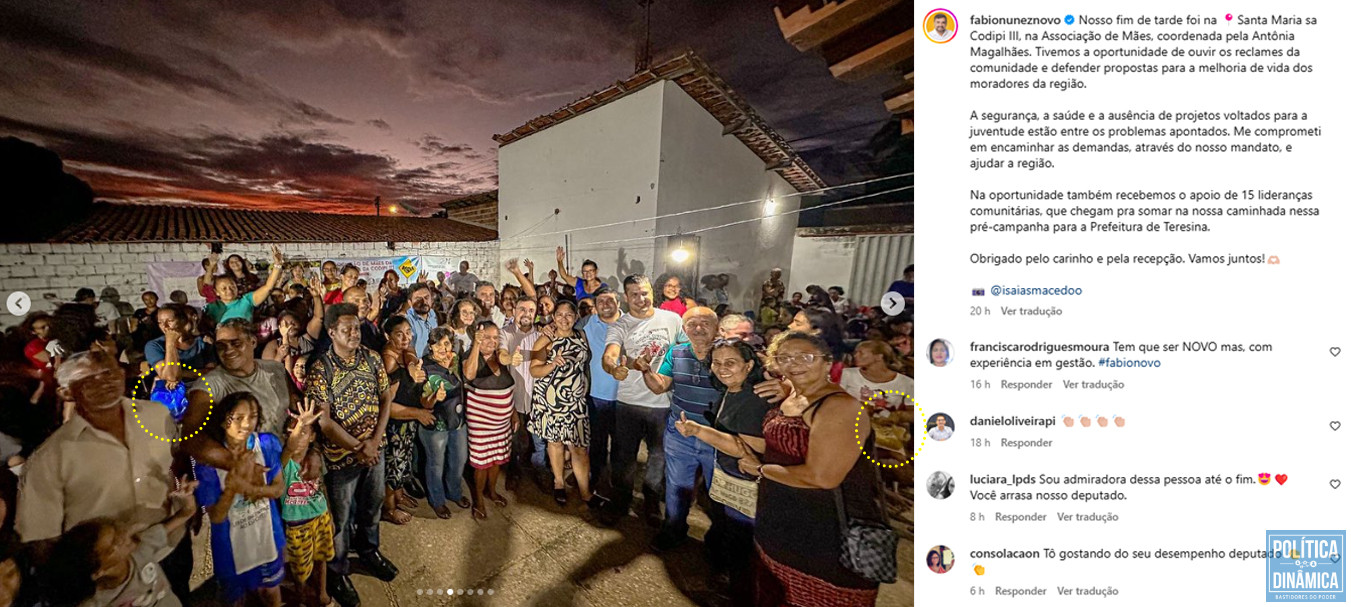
[1335, 350]
[1335, 557]
[1335, 425]
[1336, 482]
[1280, 478]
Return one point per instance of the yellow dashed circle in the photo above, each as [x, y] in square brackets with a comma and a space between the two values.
[210, 400]
[866, 406]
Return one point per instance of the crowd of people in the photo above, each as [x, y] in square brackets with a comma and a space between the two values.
[295, 415]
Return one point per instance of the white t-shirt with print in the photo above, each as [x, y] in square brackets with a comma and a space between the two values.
[853, 382]
[641, 337]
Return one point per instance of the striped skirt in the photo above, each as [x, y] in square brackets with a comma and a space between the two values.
[488, 416]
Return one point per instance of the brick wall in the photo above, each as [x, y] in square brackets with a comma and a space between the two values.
[62, 268]
[484, 214]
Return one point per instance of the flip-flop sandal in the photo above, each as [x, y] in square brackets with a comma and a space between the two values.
[464, 502]
[443, 512]
[480, 514]
[394, 517]
[500, 501]
[407, 503]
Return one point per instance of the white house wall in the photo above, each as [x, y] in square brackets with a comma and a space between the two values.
[701, 168]
[822, 260]
[596, 168]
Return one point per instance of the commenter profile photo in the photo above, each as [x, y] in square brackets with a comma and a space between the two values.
[941, 485]
[940, 25]
[940, 352]
[939, 427]
[940, 559]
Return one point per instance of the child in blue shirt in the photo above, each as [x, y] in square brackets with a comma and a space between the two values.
[248, 539]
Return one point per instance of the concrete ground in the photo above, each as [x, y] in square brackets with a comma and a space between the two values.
[535, 553]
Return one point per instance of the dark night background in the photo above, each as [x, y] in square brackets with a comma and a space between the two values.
[310, 105]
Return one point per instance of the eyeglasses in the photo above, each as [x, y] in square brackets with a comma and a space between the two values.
[784, 360]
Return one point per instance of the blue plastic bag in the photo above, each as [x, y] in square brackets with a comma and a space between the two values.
[176, 399]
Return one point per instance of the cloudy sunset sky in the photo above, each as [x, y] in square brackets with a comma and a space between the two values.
[323, 105]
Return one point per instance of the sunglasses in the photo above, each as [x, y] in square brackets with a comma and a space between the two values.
[723, 342]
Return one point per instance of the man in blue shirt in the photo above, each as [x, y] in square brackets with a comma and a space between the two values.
[604, 387]
[420, 316]
[906, 285]
[684, 371]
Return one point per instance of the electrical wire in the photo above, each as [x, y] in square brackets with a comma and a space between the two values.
[724, 206]
[728, 225]
[539, 223]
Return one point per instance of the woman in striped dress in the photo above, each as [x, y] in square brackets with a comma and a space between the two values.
[489, 413]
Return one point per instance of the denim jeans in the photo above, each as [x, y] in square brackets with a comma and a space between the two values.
[634, 425]
[526, 447]
[602, 414]
[685, 458]
[447, 452]
[354, 498]
[539, 458]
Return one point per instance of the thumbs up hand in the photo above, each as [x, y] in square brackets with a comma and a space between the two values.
[685, 427]
[516, 357]
[621, 370]
[795, 404]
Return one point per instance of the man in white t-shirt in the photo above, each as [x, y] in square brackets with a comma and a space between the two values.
[462, 281]
[640, 415]
[518, 339]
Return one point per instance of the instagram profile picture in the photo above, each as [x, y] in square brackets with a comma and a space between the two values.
[940, 352]
[939, 427]
[940, 26]
[940, 559]
[941, 485]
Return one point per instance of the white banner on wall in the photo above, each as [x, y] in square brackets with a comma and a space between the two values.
[165, 277]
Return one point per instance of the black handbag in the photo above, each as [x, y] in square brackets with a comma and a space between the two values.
[868, 548]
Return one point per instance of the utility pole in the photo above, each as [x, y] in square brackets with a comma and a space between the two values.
[377, 206]
[644, 60]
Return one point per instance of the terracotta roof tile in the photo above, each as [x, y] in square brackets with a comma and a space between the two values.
[115, 222]
[470, 200]
[692, 75]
